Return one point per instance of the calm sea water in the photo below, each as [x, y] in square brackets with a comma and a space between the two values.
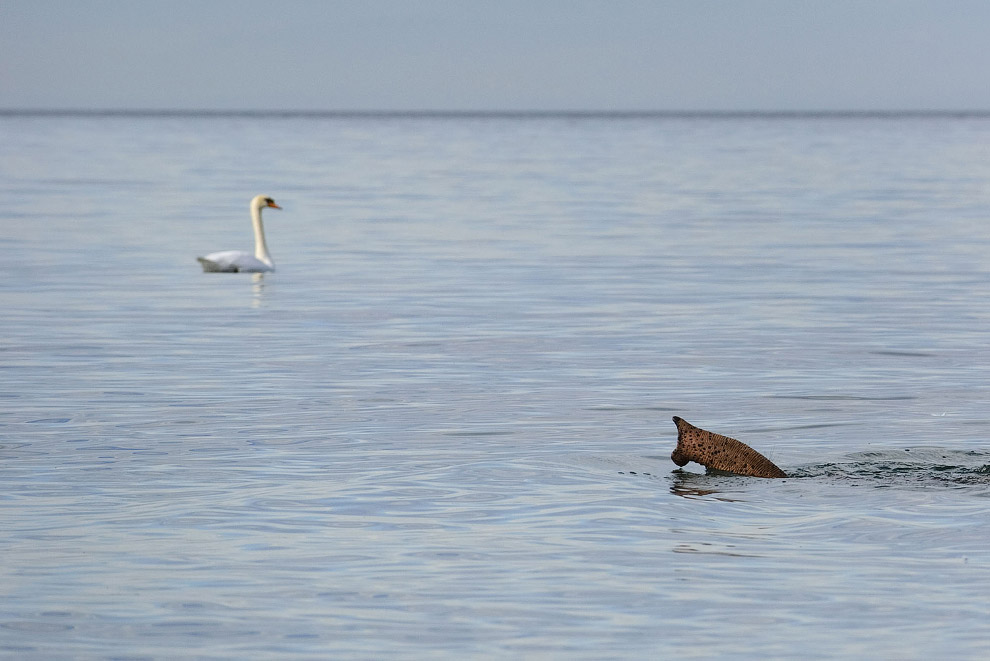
[441, 429]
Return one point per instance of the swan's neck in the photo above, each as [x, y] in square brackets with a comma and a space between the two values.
[260, 247]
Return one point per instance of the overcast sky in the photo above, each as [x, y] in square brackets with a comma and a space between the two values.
[496, 54]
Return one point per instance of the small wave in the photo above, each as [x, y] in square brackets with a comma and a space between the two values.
[905, 468]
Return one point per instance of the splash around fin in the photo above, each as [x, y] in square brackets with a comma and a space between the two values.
[718, 452]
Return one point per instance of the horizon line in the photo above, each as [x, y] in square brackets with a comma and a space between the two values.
[439, 113]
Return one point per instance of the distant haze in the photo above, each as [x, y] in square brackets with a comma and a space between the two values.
[541, 55]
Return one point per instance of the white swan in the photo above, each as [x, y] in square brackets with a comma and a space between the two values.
[238, 261]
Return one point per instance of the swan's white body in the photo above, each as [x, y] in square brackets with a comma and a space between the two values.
[238, 261]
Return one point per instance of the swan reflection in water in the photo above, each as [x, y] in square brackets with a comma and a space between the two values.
[257, 289]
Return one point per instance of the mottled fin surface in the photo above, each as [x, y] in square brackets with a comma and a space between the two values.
[719, 452]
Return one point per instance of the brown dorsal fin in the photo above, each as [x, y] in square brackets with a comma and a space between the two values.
[719, 452]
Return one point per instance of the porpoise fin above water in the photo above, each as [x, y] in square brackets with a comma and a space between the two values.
[718, 452]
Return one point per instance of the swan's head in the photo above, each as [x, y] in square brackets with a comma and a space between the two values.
[262, 201]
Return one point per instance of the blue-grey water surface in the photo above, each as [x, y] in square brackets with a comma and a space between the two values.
[441, 429]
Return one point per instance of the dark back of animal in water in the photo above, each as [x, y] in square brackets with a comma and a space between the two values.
[718, 452]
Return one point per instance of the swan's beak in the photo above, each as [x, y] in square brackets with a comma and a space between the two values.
[274, 206]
